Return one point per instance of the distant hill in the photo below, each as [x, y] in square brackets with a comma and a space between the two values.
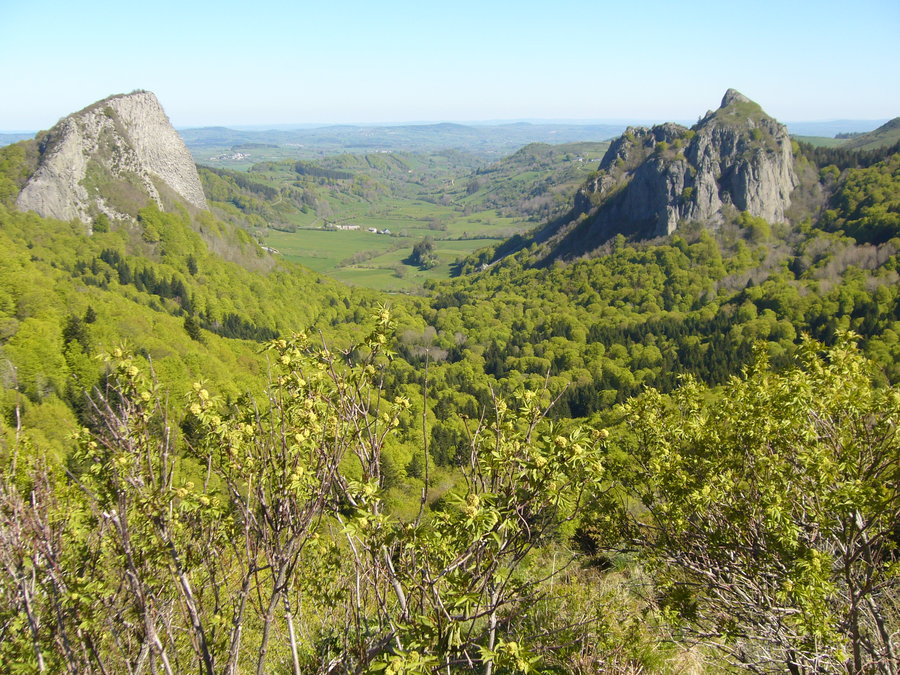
[885, 135]
[289, 193]
[318, 138]
[219, 146]
[536, 182]
[8, 139]
[820, 141]
[830, 128]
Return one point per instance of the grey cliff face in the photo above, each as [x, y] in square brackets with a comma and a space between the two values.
[650, 180]
[111, 158]
[742, 159]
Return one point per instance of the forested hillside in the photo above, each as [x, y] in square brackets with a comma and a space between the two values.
[164, 288]
[669, 455]
[603, 329]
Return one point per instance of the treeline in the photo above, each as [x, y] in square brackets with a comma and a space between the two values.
[866, 205]
[143, 278]
[315, 171]
[242, 180]
[234, 196]
[300, 186]
[237, 327]
[844, 158]
[243, 199]
[537, 182]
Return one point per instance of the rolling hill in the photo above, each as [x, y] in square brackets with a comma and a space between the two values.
[886, 135]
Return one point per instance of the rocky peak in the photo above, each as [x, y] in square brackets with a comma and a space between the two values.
[736, 158]
[733, 96]
[112, 158]
[637, 143]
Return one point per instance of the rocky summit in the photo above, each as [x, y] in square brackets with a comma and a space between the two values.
[111, 159]
[736, 158]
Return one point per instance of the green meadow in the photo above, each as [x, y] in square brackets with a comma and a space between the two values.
[376, 261]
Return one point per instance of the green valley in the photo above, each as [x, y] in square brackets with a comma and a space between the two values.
[358, 217]
[615, 407]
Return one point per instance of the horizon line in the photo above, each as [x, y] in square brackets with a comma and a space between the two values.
[616, 121]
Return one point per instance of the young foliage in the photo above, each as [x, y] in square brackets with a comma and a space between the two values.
[458, 578]
[286, 556]
[771, 517]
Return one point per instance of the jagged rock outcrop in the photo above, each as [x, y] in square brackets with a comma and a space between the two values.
[113, 158]
[650, 180]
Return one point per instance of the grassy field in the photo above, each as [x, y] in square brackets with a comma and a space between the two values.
[374, 260]
[388, 272]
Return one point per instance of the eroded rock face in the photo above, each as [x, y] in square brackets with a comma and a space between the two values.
[112, 158]
[650, 180]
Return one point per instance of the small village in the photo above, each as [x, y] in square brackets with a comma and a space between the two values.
[354, 228]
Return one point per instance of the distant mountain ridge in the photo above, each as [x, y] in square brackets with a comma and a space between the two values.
[13, 137]
[572, 130]
[112, 159]
[830, 128]
[488, 140]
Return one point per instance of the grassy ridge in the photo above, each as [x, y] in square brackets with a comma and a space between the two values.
[885, 135]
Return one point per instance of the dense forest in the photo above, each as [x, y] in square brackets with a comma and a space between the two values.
[676, 455]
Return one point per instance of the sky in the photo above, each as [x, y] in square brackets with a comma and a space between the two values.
[351, 61]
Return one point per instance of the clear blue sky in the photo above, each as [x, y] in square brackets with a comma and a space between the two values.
[233, 63]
